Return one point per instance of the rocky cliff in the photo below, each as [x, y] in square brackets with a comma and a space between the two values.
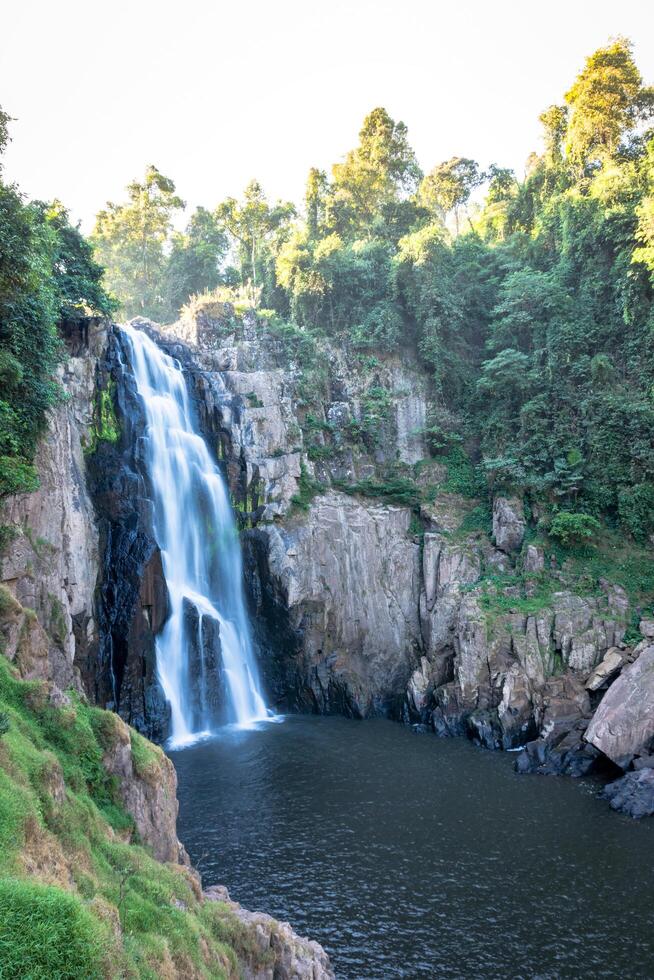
[88, 807]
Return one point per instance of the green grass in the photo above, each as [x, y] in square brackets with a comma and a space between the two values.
[48, 934]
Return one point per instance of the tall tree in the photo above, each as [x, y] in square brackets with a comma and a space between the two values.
[554, 121]
[607, 102]
[315, 201]
[382, 169]
[253, 224]
[195, 259]
[449, 186]
[130, 240]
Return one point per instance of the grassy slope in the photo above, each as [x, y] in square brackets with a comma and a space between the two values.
[79, 897]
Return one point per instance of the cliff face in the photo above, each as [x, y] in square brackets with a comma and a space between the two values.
[50, 564]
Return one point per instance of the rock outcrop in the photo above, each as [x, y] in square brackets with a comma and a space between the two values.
[287, 955]
[358, 607]
[508, 523]
[344, 583]
[632, 794]
[623, 725]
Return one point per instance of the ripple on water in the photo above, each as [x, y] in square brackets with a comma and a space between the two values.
[418, 857]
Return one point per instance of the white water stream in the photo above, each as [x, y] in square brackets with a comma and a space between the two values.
[200, 551]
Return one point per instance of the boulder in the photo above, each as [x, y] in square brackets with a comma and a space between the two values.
[606, 669]
[534, 559]
[623, 725]
[508, 523]
[646, 627]
[632, 794]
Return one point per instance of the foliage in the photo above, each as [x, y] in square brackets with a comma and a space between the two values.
[195, 260]
[569, 528]
[130, 241]
[308, 487]
[252, 225]
[606, 102]
[47, 273]
[449, 186]
[396, 489]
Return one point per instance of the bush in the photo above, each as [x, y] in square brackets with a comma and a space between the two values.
[47, 934]
[573, 528]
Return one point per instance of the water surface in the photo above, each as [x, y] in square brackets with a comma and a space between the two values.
[410, 856]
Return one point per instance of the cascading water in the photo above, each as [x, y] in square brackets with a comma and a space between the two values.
[201, 557]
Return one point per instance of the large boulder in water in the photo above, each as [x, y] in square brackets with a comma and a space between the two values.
[623, 725]
[632, 794]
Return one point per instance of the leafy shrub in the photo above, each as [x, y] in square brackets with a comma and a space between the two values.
[395, 489]
[636, 509]
[573, 528]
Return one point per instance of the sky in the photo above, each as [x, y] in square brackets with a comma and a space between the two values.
[216, 93]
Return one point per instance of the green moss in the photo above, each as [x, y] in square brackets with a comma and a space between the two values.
[307, 490]
[106, 425]
[57, 625]
[463, 477]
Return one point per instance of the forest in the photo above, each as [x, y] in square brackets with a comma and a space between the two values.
[527, 298]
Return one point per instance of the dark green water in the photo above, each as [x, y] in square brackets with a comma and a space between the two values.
[410, 856]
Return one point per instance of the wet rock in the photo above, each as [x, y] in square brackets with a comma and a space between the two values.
[623, 725]
[508, 523]
[205, 669]
[632, 794]
[565, 753]
[132, 595]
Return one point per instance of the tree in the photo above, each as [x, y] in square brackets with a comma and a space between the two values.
[5, 119]
[381, 170]
[131, 239]
[607, 102]
[47, 273]
[252, 225]
[555, 122]
[315, 201]
[195, 259]
[449, 186]
[77, 277]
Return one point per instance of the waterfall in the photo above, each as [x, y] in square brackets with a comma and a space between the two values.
[201, 557]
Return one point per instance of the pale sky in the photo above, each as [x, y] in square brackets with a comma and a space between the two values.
[215, 93]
